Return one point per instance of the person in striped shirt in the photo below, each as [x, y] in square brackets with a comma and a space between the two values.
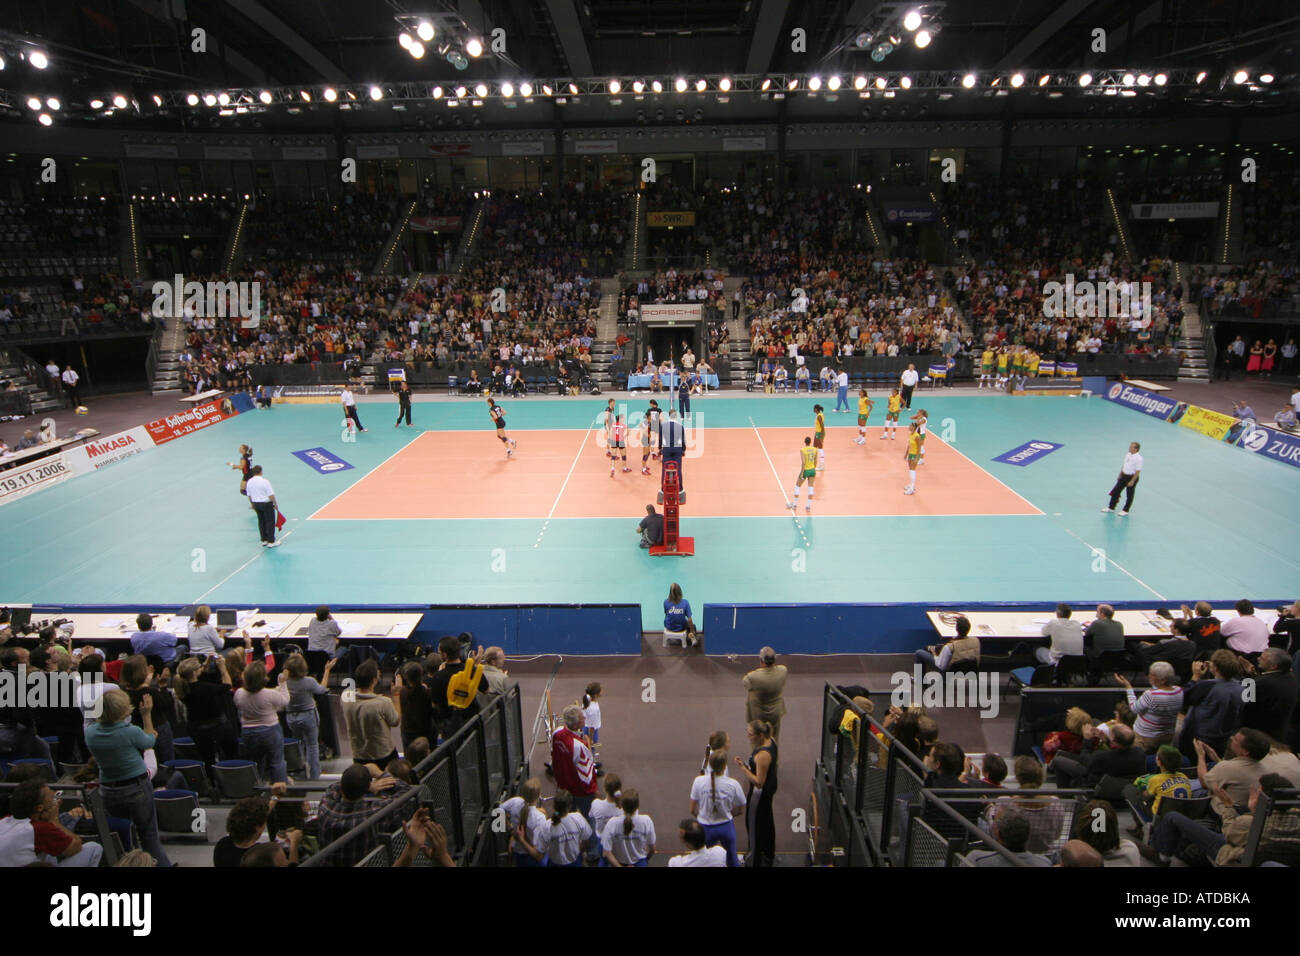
[1157, 709]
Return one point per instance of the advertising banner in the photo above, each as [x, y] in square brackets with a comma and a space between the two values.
[19, 482]
[435, 223]
[658, 220]
[1143, 401]
[184, 423]
[1272, 444]
[591, 147]
[1174, 210]
[1206, 421]
[669, 313]
[911, 212]
[97, 453]
[529, 147]
[744, 144]
[1028, 453]
[322, 460]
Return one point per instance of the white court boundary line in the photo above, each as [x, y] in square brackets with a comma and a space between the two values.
[364, 478]
[1109, 560]
[560, 493]
[784, 500]
[261, 552]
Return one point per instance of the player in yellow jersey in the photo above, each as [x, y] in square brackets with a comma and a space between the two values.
[807, 472]
[922, 421]
[1003, 357]
[1032, 369]
[913, 454]
[864, 410]
[891, 416]
[819, 436]
[986, 367]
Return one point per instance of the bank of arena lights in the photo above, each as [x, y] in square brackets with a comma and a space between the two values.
[447, 34]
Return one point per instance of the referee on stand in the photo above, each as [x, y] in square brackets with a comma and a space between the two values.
[1127, 480]
[672, 446]
[262, 496]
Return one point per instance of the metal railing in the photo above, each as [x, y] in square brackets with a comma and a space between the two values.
[459, 784]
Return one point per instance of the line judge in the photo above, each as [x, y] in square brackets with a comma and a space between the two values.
[262, 496]
[1127, 480]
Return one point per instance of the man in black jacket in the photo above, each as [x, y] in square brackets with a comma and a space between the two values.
[403, 405]
[1276, 692]
[451, 719]
[1122, 761]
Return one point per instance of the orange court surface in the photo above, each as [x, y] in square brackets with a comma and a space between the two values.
[728, 472]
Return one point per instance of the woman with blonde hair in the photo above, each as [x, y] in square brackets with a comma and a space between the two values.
[761, 771]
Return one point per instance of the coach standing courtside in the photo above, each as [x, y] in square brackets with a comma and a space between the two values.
[262, 497]
[1127, 480]
[403, 405]
[766, 686]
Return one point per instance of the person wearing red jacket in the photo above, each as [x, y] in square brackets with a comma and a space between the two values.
[572, 761]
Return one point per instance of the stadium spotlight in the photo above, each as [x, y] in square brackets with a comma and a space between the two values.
[481, 90]
[912, 21]
[814, 83]
[305, 94]
[1200, 77]
[330, 94]
[905, 82]
[792, 85]
[1085, 79]
[724, 84]
[38, 59]
[573, 89]
[546, 90]
[265, 96]
[460, 92]
[457, 59]
[507, 90]
[424, 31]
[859, 82]
[1144, 79]
[376, 93]
[416, 50]
[680, 85]
[638, 86]
[98, 104]
[404, 40]
[881, 82]
[614, 87]
[923, 38]
[1044, 79]
[766, 84]
[657, 87]
[208, 99]
[33, 103]
[2, 63]
[1017, 80]
[437, 92]
[968, 80]
[191, 99]
[882, 50]
[157, 100]
[1266, 78]
[701, 85]
[1129, 79]
[54, 104]
[525, 89]
[833, 83]
[1161, 79]
[1240, 77]
[45, 119]
[222, 98]
[474, 47]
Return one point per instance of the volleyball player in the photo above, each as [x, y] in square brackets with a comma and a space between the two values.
[819, 437]
[646, 431]
[913, 453]
[654, 411]
[986, 367]
[499, 417]
[608, 416]
[618, 442]
[807, 472]
[922, 420]
[1003, 358]
[891, 416]
[864, 409]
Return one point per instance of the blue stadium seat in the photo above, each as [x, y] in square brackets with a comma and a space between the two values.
[236, 779]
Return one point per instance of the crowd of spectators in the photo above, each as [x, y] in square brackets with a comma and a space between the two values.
[581, 233]
[352, 229]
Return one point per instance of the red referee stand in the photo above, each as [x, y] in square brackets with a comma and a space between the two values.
[674, 545]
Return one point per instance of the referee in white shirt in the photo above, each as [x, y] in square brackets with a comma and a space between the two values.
[1127, 480]
[350, 407]
[70, 380]
[262, 495]
[907, 381]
